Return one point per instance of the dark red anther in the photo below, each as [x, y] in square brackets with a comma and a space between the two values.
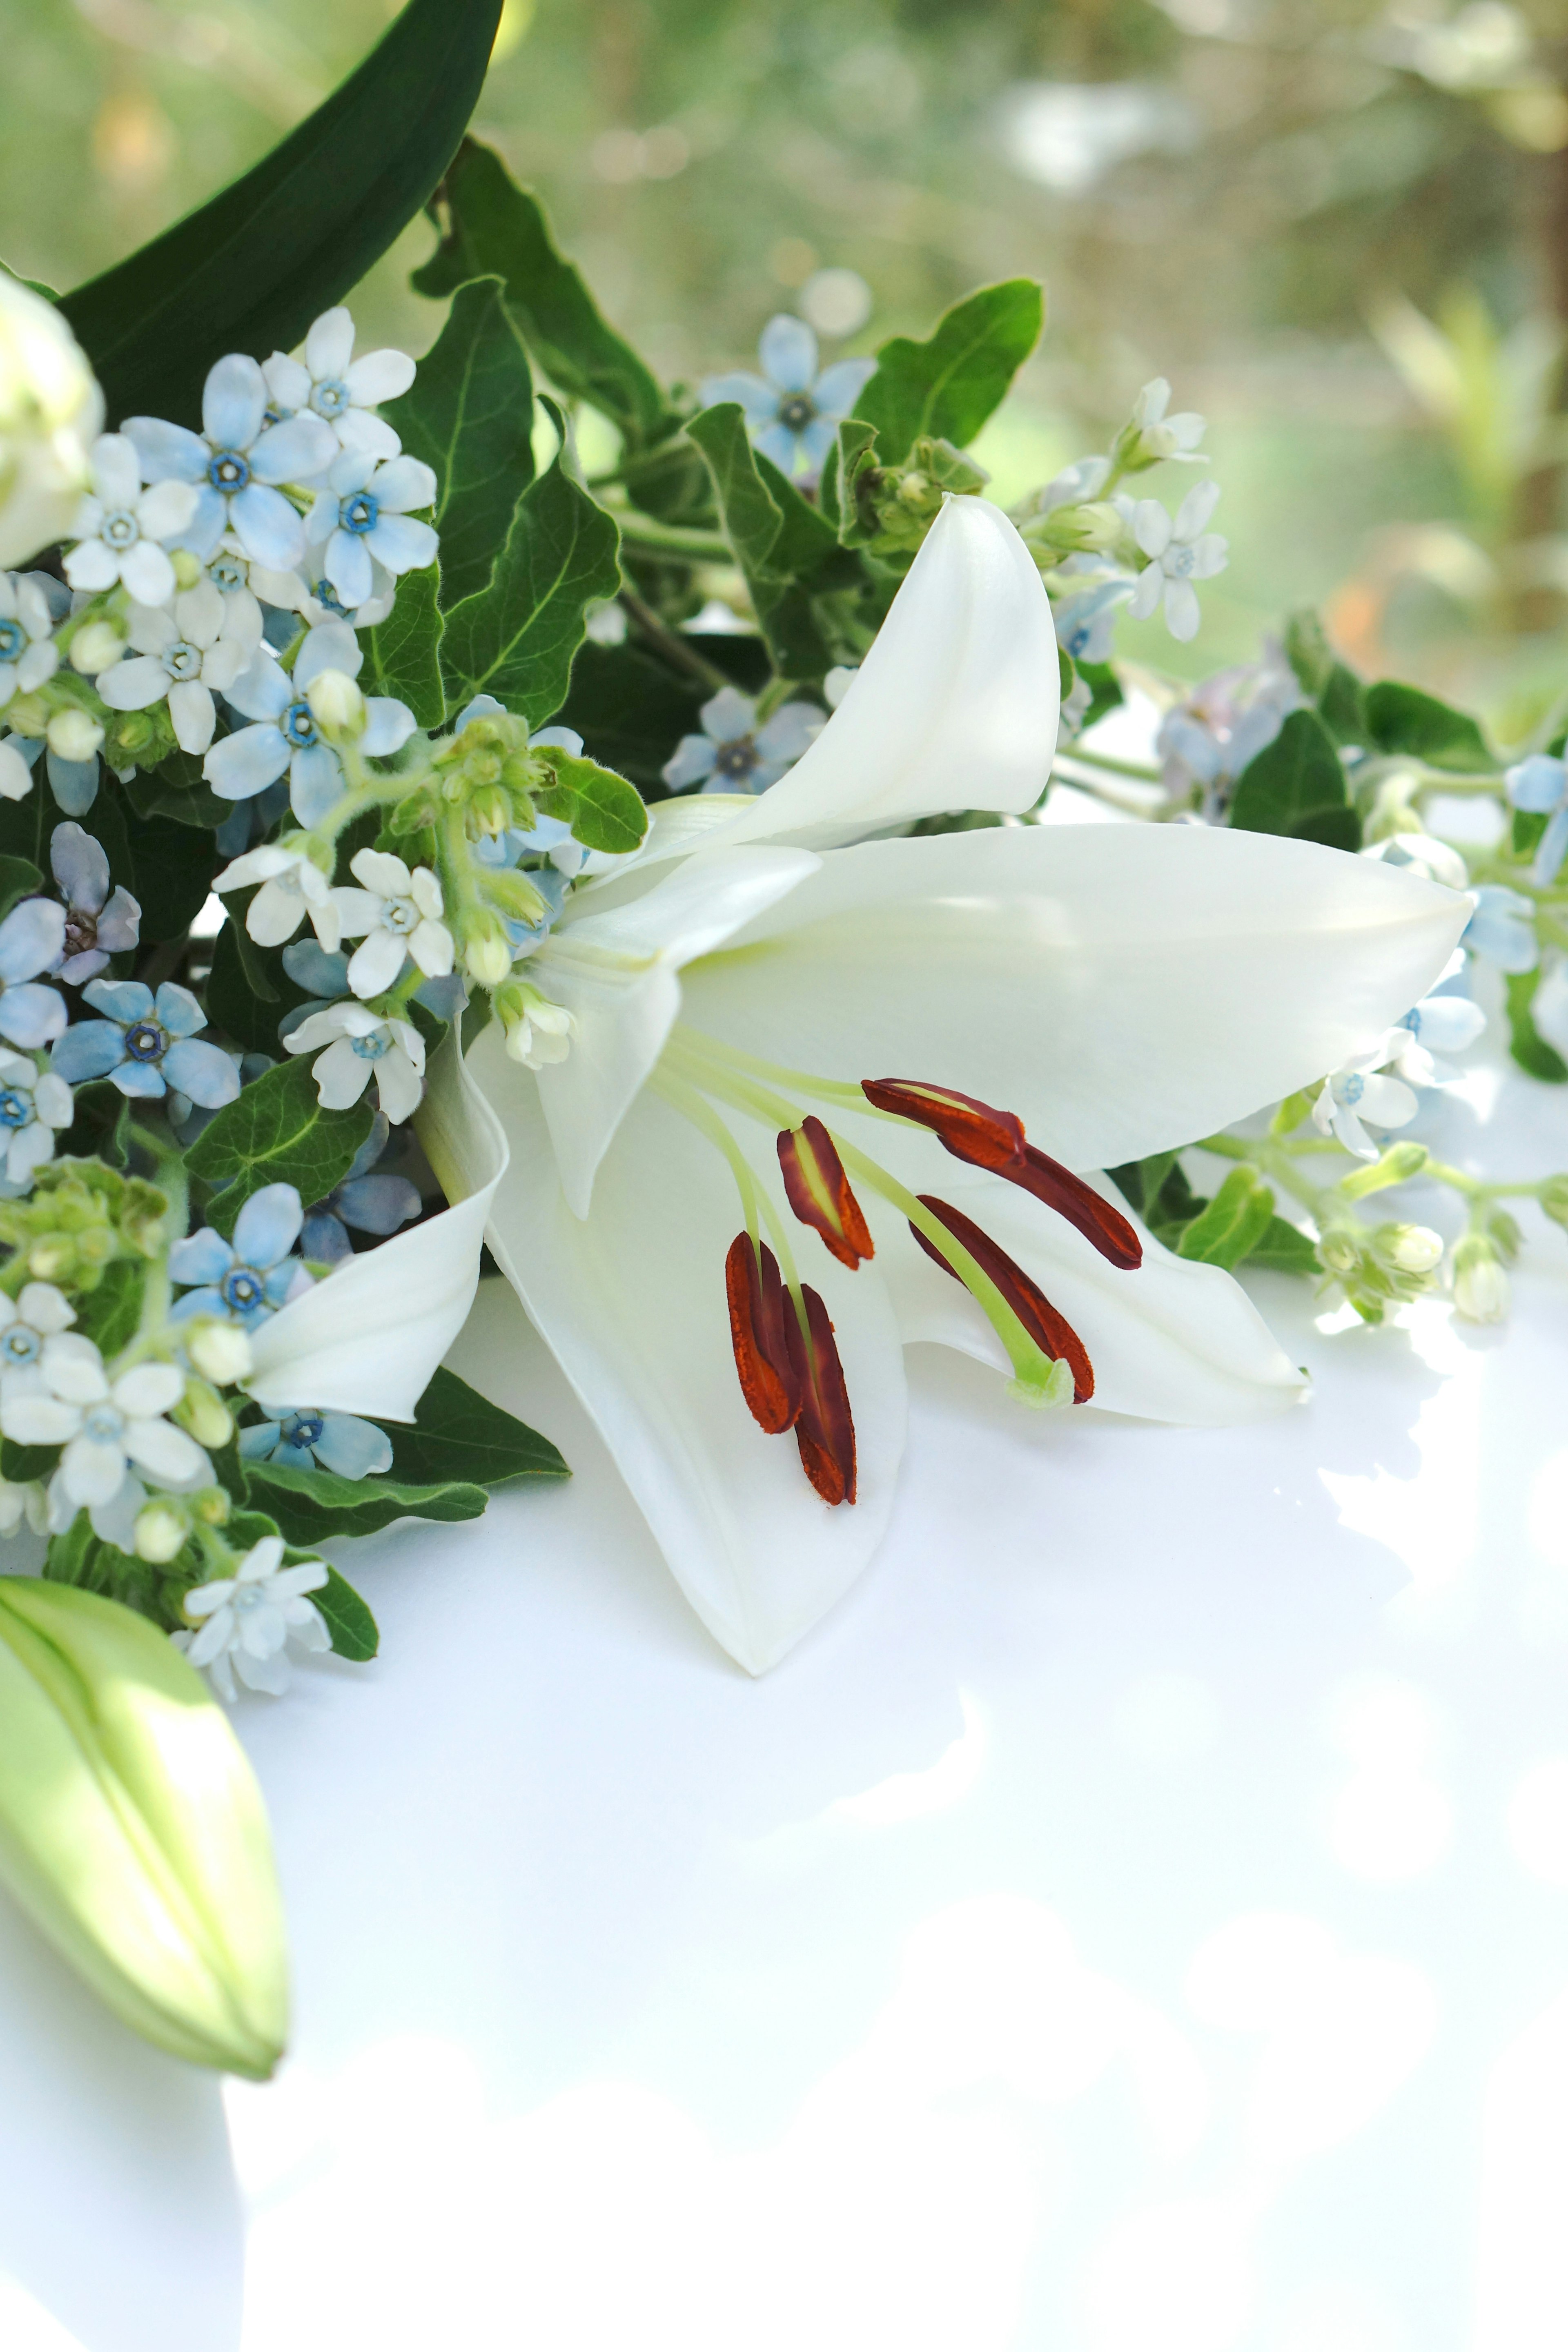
[761, 1315]
[985, 1137]
[1051, 1332]
[826, 1430]
[819, 1191]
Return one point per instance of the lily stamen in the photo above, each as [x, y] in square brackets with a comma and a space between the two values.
[1051, 1331]
[819, 1193]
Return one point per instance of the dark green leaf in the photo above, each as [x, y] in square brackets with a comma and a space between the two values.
[354, 1632]
[18, 1463]
[1296, 785]
[315, 1506]
[248, 271]
[1284, 1249]
[403, 652]
[1140, 1182]
[19, 879]
[100, 1128]
[949, 385]
[166, 868]
[786, 548]
[491, 226]
[1104, 688]
[174, 789]
[248, 993]
[602, 810]
[1526, 1043]
[470, 414]
[1529, 824]
[516, 638]
[275, 1132]
[459, 1433]
[1341, 707]
[1403, 719]
[1232, 1224]
[109, 1314]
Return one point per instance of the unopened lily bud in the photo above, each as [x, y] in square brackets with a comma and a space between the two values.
[132, 1831]
[204, 1412]
[221, 1353]
[95, 647]
[487, 950]
[1413, 1249]
[1480, 1286]
[74, 735]
[336, 703]
[162, 1528]
[51, 410]
[1553, 1199]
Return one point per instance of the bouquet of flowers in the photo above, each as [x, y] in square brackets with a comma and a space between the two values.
[409, 838]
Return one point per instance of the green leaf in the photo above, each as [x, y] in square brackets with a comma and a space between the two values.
[1403, 719]
[1526, 1043]
[948, 385]
[19, 879]
[1232, 1224]
[1140, 1182]
[470, 414]
[403, 653]
[248, 271]
[1104, 688]
[313, 1507]
[459, 1433]
[1296, 785]
[248, 993]
[19, 1464]
[100, 1128]
[175, 789]
[166, 868]
[1284, 1249]
[491, 226]
[602, 810]
[786, 548]
[516, 638]
[354, 1632]
[275, 1132]
[109, 1314]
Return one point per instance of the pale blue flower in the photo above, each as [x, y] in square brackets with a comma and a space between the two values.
[237, 462]
[247, 1279]
[305, 1439]
[793, 413]
[1502, 929]
[1086, 623]
[365, 519]
[1540, 787]
[370, 1203]
[97, 926]
[286, 737]
[146, 1044]
[733, 754]
[31, 938]
[74, 782]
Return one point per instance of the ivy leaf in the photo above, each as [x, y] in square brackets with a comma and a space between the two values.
[948, 385]
[1403, 719]
[516, 638]
[602, 810]
[786, 548]
[1232, 1224]
[313, 1507]
[1296, 786]
[403, 653]
[19, 879]
[248, 271]
[354, 1632]
[490, 225]
[1526, 1043]
[459, 1434]
[275, 1132]
[470, 415]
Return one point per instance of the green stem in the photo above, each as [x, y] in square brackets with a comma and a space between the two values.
[1136, 769]
[691, 546]
[673, 646]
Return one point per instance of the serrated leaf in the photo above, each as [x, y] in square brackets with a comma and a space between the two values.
[313, 1507]
[248, 271]
[1296, 786]
[516, 638]
[275, 1132]
[1232, 1224]
[354, 1632]
[786, 548]
[602, 810]
[1526, 1043]
[470, 415]
[1403, 719]
[949, 384]
[459, 1433]
[491, 226]
[403, 653]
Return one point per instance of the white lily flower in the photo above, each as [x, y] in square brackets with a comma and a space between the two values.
[51, 410]
[394, 914]
[1179, 553]
[1119, 989]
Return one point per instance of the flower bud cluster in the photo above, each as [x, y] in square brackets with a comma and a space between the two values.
[1380, 1266]
[899, 504]
[80, 1218]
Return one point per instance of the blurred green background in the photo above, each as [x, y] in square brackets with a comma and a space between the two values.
[1341, 230]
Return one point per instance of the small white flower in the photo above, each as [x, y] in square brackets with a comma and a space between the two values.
[361, 1045]
[26, 1322]
[107, 1428]
[326, 378]
[1356, 1097]
[1480, 1284]
[245, 1621]
[537, 1031]
[27, 651]
[396, 913]
[286, 735]
[793, 412]
[245, 588]
[365, 517]
[1422, 853]
[1437, 1025]
[293, 887]
[236, 465]
[119, 525]
[1179, 553]
[184, 658]
[19, 1502]
[35, 1106]
[1168, 437]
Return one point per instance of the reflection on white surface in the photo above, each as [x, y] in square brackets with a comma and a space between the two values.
[1167, 1717]
[911, 1796]
[1537, 1821]
[27, 2326]
[1390, 1818]
[1522, 2255]
[1176, 2276]
[1342, 2319]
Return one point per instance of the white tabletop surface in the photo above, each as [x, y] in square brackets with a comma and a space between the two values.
[1136, 1921]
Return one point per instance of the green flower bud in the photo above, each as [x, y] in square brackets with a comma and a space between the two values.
[1480, 1286]
[212, 1506]
[187, 567]
[162, 1528]
[1398, 1164]
[204, 1414]
[73, 734]
[95, 646]
[336, 705]
[1553, 1199]
[1410, 1249]
[220, 1351]
[487, 950]
[132, 1831]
